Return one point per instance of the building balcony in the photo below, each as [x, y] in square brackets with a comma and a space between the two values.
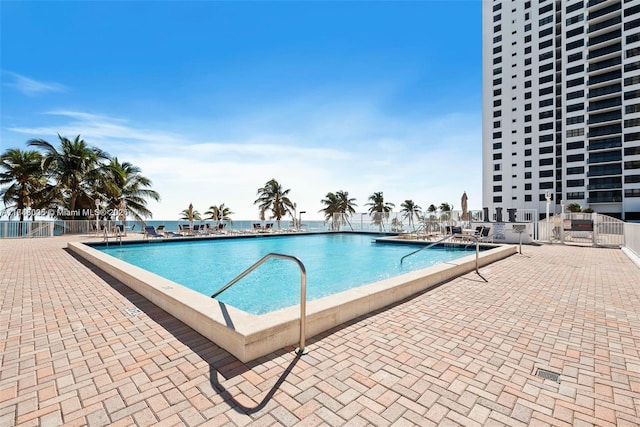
[604, 26]
[604, 65]
[604, 12]
[604, 51]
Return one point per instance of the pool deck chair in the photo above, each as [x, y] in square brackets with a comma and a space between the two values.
[484, 235]
[150, 231]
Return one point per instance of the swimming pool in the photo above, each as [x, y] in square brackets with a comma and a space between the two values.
[334, 262]
[248, 336]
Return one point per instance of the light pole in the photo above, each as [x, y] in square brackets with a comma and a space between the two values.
[97, 219]
[300, 219]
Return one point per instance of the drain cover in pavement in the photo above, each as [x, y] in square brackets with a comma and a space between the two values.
[548, 375]
[133, 312]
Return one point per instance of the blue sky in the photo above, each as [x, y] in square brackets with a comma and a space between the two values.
[213, 99]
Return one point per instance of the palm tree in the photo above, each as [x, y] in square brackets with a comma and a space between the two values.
[272, 197]
[379, 208]
[219, 213]
[21, 170]
[71, 168]
[445, 207]
[432, 209]
[121, 184]
[409, 210]
[190, 215]
[338, 207]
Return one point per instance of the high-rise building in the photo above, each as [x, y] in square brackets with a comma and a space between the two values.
[561, 105]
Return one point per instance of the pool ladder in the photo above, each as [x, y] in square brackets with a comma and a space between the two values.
[118, 235]
[303, 290]
[451, 236]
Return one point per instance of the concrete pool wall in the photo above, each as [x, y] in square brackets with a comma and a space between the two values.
[249, 336]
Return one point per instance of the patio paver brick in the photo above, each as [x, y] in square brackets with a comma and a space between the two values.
[464, 353]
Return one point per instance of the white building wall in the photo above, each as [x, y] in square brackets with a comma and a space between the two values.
[537, 99]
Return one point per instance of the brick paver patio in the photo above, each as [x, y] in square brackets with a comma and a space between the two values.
[467, 353]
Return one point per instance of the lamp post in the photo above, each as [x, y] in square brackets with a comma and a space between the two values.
[300, 219]
[97, 219]
[562, 222]
[547, 195]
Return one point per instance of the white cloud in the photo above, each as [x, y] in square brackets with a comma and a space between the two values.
[31, 87]
[428, 160]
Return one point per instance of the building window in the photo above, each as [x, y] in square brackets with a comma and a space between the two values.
[632, 151]
[576, 69]
[633, 52]
[497, 178]
[576, 94]
[545, 79]
[634, 164]
[572, 7]
[543, 21]
[574, 45]
[545, 150]
[545, 44]
[575, 119]
[545, 67]
[574, 57]
[575, 32]
[497, 199]
[575, 170]
[575, 82]
[545, 162]
[575, 107]
[632, 123]
[545, 91]
[575, 19]
[545, 102]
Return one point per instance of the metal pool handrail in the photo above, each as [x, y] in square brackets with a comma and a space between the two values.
[303, 289]
[466, 236]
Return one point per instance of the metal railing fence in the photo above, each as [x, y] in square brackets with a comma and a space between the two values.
[632, 237]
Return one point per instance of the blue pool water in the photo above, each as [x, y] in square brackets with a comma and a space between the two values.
[334, 262]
